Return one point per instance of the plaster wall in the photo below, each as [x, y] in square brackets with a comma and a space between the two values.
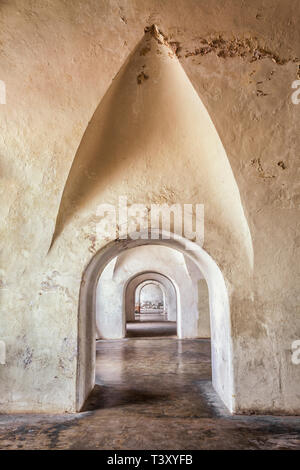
[58, 61]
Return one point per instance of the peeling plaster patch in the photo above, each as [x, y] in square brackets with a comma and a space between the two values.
[257, 164]
[50, 285]
[162, 39]
[157, 34]
[145, 50]
[166, 195]
[260, 93]
[141, 78]
[27, 358]
[92, 238]
[237, 47]
[175, 45]
[282, 165]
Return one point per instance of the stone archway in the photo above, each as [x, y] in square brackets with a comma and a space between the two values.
[221, 341]
[110, 302]
[151, 291]
[135, 282]
[146, 290]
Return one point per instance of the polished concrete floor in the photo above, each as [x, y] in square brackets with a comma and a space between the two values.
[152, 327]
[154, 394]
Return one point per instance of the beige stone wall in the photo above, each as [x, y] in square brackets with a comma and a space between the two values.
[57, 60]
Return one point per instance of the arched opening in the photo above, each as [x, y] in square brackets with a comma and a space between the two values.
[183, 280]
[150, 306]
[150, 299]
[133, 289]
[218, 303]
[115, 293]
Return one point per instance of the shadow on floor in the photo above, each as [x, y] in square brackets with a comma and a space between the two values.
[103, 397]
[151, 329]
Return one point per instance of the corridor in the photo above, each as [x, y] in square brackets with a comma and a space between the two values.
[151, 393]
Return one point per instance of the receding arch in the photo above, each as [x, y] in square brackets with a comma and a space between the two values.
[172, 292]
[144, 287]
[221, 341]
[165, 260]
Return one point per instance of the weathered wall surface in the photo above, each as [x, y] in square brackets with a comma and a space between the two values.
[57, 60]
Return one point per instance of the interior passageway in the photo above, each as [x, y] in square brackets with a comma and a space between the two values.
[151, 316]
